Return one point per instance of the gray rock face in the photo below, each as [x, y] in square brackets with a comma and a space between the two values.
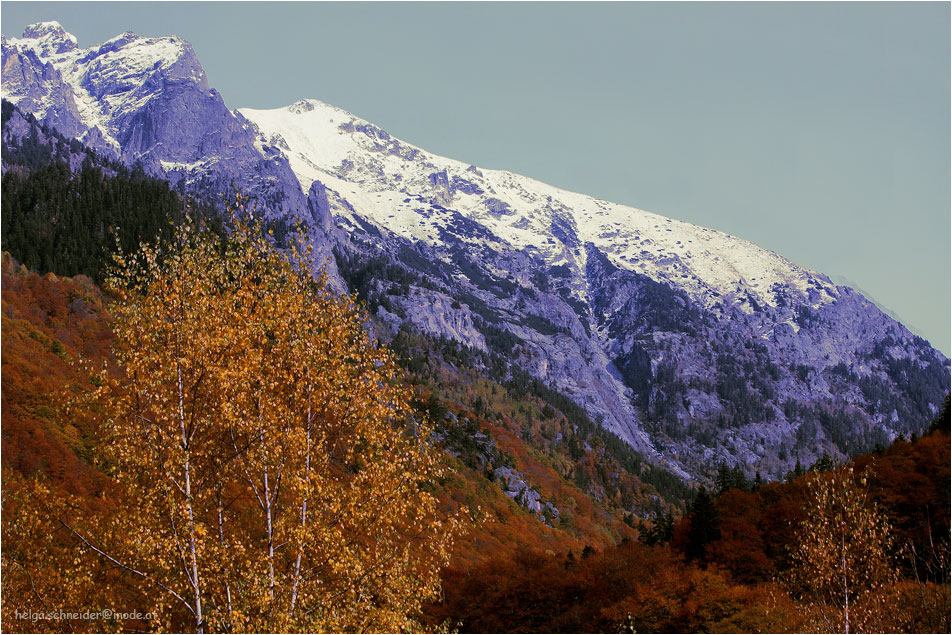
[148, 100]
[515, 487]
[762, 388]
[38, 87]
[319, 208]
[440, 315]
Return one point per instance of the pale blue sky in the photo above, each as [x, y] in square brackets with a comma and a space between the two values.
[820, 131]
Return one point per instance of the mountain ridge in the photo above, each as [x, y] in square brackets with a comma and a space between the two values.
[310, 159]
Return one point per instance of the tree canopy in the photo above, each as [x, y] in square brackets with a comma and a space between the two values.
[271, 473]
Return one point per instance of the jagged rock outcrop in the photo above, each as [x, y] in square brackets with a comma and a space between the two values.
[38, 87]
[515, 487]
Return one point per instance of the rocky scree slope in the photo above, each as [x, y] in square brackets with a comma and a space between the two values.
[694, 346]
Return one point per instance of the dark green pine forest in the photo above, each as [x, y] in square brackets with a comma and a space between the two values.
[65, 208]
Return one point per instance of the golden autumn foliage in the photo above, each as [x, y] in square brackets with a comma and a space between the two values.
[842, 562]
[271, 476]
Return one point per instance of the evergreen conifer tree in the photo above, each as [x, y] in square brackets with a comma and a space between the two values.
[704, 525]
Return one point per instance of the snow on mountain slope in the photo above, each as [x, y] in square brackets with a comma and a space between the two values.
[142, 99]
[372, 170]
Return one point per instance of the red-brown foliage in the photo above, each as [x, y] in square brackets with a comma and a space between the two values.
[631, 586]
[49, 322]
[909, 480]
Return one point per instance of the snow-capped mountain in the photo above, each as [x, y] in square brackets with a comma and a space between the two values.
[147, 101]
[374, 171]
[693, 345]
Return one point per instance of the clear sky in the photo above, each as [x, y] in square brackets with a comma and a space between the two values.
[820, 131]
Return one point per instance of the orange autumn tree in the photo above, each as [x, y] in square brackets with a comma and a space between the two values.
[274, 477]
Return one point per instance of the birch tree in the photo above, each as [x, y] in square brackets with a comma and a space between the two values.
[842, 559]
[273, 475]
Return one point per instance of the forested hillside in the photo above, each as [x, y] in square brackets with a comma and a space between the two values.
[568, 529]
[66, 208]
[732, 564]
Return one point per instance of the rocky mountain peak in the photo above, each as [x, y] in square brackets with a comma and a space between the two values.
[130, 62]
[51, 38]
